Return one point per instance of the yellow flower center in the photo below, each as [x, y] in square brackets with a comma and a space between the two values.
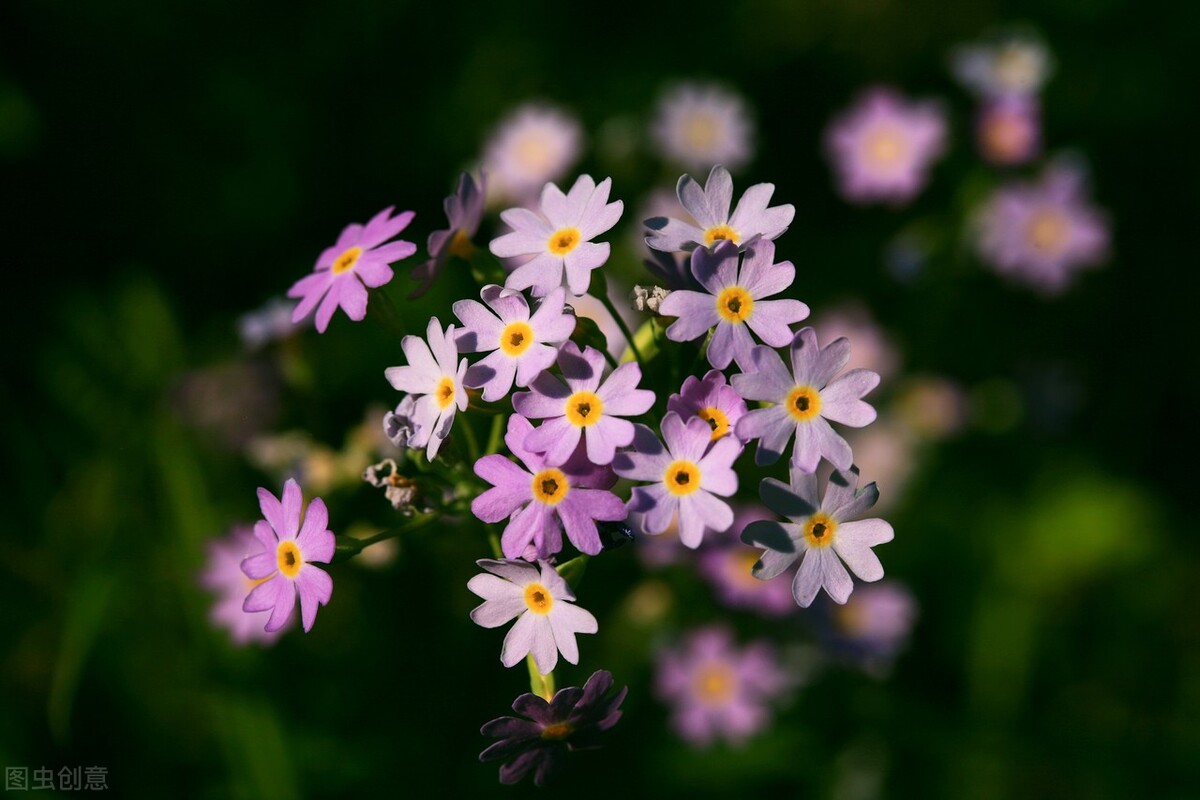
[445, 391]
[288, 558]
[720, 233]
[681, 477]
[803, 403]
[715, 684]
[700, 131]
[538, 598]
[1047, 231]
[819, 530]
[516, 338]
[884, 148]
[533, 153]
[346, 260]
[716, 420]
[557, 732]
[550, 486]
[735, 305]
[563, 241]
[584, 409]
[461, 245]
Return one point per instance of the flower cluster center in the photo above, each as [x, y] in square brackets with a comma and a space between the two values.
[516, 338]
[445, 391]
[288, 558]
[721, 233]
[538, 598]
[716, 419]
[735, 305]
[584, 409]
[550, 486]
[819, 530]
[563, 241]
[803, 403]
[681, 478]
[346, 260]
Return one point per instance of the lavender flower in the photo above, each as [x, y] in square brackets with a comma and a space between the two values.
[530, 146]
[400, 426]
[1008, 130]
[540, 500]
[710, 399]
[572, 720]
[727, 564]
[805, 401]
[686, 476]
[718, 690]
[699, 126]
[464, 210]
[223, 575]
[432, 375]
[584, 408]
[883, 146]
[872, 627]
[1041, 234]
[520, 344]
[559, 237]
[821, 531]
[540, 602]
[269, 323]
[285, 568]
[710, 208]
[733, 301]
[1014, 65]
[357, 261]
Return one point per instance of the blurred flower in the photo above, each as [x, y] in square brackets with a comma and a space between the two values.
[718, 690]
[882, 147]
[871, 628]
[1008, 130]
[685, 477]
[223, 574]
[734, 301]
[464, 210]
[1040, 234]
[230, 403]
[710, 208]
[804, 402]
[870, 346]
[540, 501]
[657, 550]
[822, 531]
[572, 720]
[586, 408]
[521, 346]
[547, 621]
[1011, 65]
[285, 568]
[887, 453]
[727, 564]
[438, 382]
[711, 399]
[532, 145]
[267, 324]
[357, 261]
[931, 406]
[559, 237]
[699, 126]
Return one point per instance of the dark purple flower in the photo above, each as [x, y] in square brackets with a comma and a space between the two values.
[572, 720]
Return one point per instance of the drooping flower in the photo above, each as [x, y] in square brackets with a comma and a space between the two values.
[698, 126]
[1012, 65]
[558, 238]
[223, 575]
[734, 300]
[530, 146]
[718, 690]
[540, 501]
[1008, 130]
[824, 532]
[805, 402]
[882, 147]
[520, 344]
[433, 376]
[572, 720]
[357, 261]
[727, 564]
[872, 627]
[464, 210]
[686, 476]
[1040, 234]
[712, 400]
[285, 567]
[710, 208]
[400, 426]
[540, 601]
[584, 408]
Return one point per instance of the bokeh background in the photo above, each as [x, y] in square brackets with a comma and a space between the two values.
[169, 167]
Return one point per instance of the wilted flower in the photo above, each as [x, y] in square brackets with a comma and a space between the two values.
[699, 126]
[464, 210]
[709, 207]
[530, 146]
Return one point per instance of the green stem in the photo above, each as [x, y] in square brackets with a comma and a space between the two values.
[612, 362]
[347, 546]
[472, 442]
[494, 541]
[496, 437]
[539, 684]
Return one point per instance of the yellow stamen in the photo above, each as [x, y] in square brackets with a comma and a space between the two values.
[681, 478]
[445, 391]
[533, 153]
[720, 233]
[563, 241]
[557, 732]
[346, 260]
[885, 147]
[516, 338]
[735, 305]
[538, 598]
[803, 403]
[550, 486]
[715, 684]
[716, 420]
[819, 530]
[461, 245]
[289, 559]
[584, 409]
[1047, 231]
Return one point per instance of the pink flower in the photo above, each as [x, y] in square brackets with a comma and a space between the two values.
[223, 575]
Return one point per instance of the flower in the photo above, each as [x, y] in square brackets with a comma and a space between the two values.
[400, 427]
[585, 408]
[805, 402]
[530, 146]
[733, 300]
[1041, 234]
[519, 343]
[1014, 65]
[686, 476]
[271, 322]
[540, 601]
[433, 376]
[572, 720]
[223, 574]
[559, 238]
[710, 208]
[464, 210]
[540, 500]
[872, 627]
[698, 126]
[1008, 130]
[882, 146]
[710, 399]
[870, 345]
[727, 564]
[357, 261]
[824, 532]
[285, 568]
[718, 690]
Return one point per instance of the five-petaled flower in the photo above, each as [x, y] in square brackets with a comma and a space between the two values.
[432, 374]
